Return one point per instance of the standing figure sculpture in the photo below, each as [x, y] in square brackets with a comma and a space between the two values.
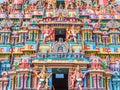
[43, 79]
[73, 34]
[48, 33]
[77, 79]
[67, 3]
[51, 2]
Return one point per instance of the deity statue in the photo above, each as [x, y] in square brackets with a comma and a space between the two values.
[95, 63]
[51, 2]
[43, 78]
[73, 34]
[67, 3]
[77, 78]
[86, 22]
[4, 74]
[48, 33]
[24, 64]
[32, 7]
[60, 49]
[1, 8]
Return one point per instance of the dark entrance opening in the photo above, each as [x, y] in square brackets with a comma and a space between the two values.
[60, 4]
[60, 33]
[60, 79]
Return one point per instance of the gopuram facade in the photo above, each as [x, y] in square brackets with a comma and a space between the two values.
[59, 44]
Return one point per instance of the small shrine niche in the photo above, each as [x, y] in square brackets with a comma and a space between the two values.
[34, 22]
[25, 63]
[60, 47]
[113, 24]
[95, 62]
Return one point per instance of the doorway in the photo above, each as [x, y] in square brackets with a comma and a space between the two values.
[60, 79]
[60, 33]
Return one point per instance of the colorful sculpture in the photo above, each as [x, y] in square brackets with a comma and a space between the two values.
[43, 79]
[72, 34]
[95, 63]
[86, 23]
[88, 28]
[67, 3]
[51, 2]
[77, 79]
[48, 34]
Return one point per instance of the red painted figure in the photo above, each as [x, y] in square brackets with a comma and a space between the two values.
[48, 33]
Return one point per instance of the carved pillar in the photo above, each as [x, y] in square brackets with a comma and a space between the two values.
[10, 84]
[50, 79]
[21, 82]
[29, 80]
[1, 85]
[16, 40]
[108, 79]
[94, 81]
[98, 80]
[69, 78]
[26, 79]
[13, 82]
[5, 85]
[35, 80]
[91, 81]
[9, 38]
[101, 83]
[18, 80]
[119, 85]
[114, 85]
[85, 82]
[106, 40]
[111, 87]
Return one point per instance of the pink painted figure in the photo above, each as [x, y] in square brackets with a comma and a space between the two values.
[4, 74]
[18, 1]
[95, 64]
[67, 3]
[32, 7]
[24, 64]
[48, 33]
[77, 78]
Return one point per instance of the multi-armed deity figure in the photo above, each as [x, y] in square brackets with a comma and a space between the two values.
[48, 33]
[43, 79]
[77, 78]
[51, 3]
[73, 34]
